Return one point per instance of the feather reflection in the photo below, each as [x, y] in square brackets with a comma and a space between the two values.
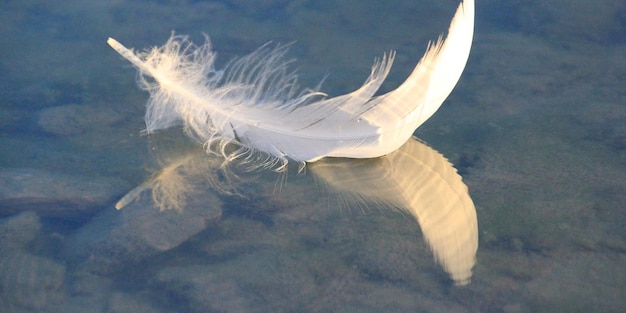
[422, 182]
[415, 179]
[182, 171]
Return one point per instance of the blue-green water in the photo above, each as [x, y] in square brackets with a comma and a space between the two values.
[536, 126]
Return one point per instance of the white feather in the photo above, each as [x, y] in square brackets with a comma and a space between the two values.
[253, 103]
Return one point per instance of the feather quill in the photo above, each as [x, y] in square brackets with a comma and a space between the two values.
[253, 105]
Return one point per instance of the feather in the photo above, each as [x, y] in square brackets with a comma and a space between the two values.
[253, 104]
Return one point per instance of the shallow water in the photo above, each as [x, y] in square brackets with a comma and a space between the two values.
[536, 127]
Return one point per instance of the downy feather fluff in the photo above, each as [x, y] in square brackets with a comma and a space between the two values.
[254, 106]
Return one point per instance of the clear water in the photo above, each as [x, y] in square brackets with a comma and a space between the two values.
[536, 126]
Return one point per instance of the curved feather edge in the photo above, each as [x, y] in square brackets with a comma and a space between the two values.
[401, 111]
[252, 106]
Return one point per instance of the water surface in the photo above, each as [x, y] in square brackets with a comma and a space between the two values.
[536, 127]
